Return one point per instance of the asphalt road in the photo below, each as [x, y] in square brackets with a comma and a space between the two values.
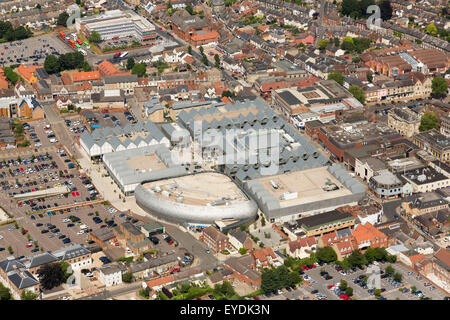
[59, 128]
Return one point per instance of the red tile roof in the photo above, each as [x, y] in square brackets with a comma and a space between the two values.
[85, 76]
[160, 281]
[262, 254]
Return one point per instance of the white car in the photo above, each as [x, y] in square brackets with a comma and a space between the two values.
[80, 232]
[38, 144]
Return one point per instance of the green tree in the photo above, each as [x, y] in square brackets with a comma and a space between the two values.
[62, 19]
[385, 9]
[28, 295]
[51, 64]
[439, 87]
[349, 291]
[65, 267]
[398, 277]
[326, 254]
[95, 37]
[358, 93]
[130, 63]
[139, 69]
[336, 76]
[51, 275]
[323, 44]
[10, 250]
[347, 44]
[190, 9]
[127, 277]
[357, 259]
[217, 60]
[293, 279]
[343, 285]
[5, 294]
[11, 75]
[428, 121]
[389, 270]
[190, 50]
[413, 289]
[201, 49]
[369, 77]
[205, 60]
[86, 67]
[431, 29]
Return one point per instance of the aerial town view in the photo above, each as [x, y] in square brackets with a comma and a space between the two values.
[234, 150]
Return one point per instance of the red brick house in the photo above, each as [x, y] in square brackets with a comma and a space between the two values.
[214, 239]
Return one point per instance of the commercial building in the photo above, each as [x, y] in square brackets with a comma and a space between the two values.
[117, 23]
[434, 143]
[445, 126]
[243, 270]
[15, 276]
[106, 140]
[386, 185]
[404, 121]
[110, 275]
[196, 200]
[326, 97]
[131, 237]
[426, 179]
[128, 168]
[343, 138]
[282, 198]
[214, 239]
[319, 224]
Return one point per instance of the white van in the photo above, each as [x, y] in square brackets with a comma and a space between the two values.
[53, 140]
[83, 227]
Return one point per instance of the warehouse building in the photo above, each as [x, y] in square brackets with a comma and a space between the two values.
[117, 23]
[128, 168]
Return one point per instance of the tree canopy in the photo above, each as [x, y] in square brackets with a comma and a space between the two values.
[336, 76]
[431, 29]
[5, 294]
[281, 277]
[326, 254]
[95, 37]
[51, 64]
[358, 93]
[51, 275]
[28, 295]
[139, 69]
[357, 259]
[62, 19]
[439, 87]
[428, 121]
[130, 63]
[385, 9]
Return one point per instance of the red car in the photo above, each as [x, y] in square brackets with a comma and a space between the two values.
[171, 241]
[29, 245]
[21, 169]
[313, 266]
[344, 297]
[73, 193]
[330, 286]
[77, 193]
[19, 204]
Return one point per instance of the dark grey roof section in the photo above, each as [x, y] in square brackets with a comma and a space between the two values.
[153, 263]
[39, 259]
[71, 251]
[22, 279]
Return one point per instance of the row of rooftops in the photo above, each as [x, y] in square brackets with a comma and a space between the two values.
[17, 270]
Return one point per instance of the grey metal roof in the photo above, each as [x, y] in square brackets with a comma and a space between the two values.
[71, 251]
